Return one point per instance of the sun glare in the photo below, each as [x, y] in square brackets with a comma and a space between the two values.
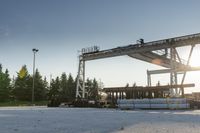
[195, 59]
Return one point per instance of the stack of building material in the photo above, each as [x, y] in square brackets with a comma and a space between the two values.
[157, 103]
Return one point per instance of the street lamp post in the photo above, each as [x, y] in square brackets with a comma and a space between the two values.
[34, 52]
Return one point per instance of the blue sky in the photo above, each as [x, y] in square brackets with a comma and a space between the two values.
[59, 28]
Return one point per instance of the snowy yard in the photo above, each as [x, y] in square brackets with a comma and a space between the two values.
[88, 120]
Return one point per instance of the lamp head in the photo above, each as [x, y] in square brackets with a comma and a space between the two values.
[35, 50]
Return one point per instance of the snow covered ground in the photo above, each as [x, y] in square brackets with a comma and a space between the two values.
[88, 120]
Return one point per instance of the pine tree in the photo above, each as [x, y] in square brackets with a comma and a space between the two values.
[92, 89]
[23, 85]
[40, 88]
[4, 85]
[95, 94]
[45, 83]
[54, 92]
[71, 85]
[64, 87]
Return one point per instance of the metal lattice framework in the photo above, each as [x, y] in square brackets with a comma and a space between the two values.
[80, 88]
[161, 52]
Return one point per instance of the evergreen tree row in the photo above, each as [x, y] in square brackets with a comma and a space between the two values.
[62, 89]
[4, 85]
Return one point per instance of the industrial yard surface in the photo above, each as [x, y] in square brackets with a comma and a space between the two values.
[89, 120]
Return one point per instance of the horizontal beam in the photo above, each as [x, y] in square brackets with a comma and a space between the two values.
[156, 59]
[162, 71]
[149, 46]
[147, 88]
[151, 59]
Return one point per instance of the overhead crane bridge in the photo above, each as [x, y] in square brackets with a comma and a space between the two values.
[161, 52]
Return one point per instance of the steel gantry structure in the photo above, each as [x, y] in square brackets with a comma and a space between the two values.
[161, 52]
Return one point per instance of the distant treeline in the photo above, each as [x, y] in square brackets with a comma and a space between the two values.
[62, 89]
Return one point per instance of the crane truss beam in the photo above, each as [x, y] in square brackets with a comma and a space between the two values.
[149, 46]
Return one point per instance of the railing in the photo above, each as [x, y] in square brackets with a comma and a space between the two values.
[175, 39]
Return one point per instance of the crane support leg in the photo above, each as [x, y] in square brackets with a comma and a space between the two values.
[80, 85]
[184, 73]
[173, 74]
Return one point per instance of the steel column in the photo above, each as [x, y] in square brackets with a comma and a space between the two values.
[80, 86]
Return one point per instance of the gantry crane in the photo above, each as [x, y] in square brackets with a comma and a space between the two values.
[161, 52]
